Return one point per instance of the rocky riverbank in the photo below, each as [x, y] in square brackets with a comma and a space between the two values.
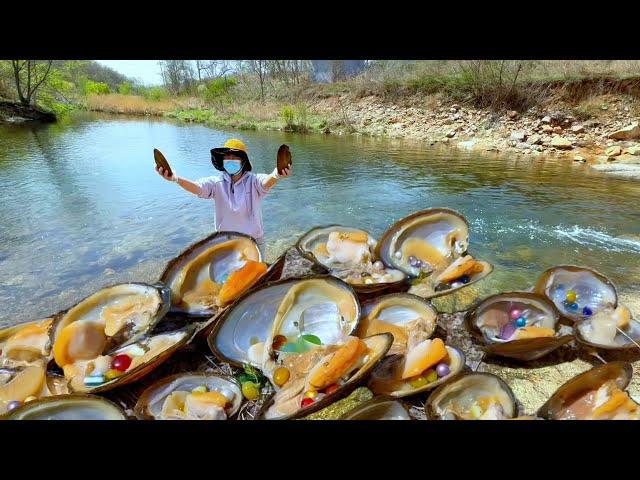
[609, 140]
[600, 130]
[16, 113]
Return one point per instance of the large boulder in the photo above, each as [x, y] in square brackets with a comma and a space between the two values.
[629, 132]
[633, 150]
[561, 143]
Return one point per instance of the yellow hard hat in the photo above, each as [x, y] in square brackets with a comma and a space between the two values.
[235, 147]
[235, 144]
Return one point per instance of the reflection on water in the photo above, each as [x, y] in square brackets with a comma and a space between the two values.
[81, 206]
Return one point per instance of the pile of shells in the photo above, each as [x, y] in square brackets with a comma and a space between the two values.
[222, 335]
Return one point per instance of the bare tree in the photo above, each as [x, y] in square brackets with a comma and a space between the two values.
[177, 75]
[337, 70]
[259, 68]
[29, 75]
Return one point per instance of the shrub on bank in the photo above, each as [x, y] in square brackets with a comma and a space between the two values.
[219, 89]
[96, 88]
[154, 94]
[295, 119]
[125, 88]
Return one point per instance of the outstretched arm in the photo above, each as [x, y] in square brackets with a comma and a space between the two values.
[186, 184]
[270, 180]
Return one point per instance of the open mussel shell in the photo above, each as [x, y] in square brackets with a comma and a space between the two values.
[424, 244]
[212, 259]
[591, 380]
[435, 234]
[620, 341]
[464, 390]
[378, 345]
[150, 403]
[28, 382]
[173, 341]
[128, 312]
[25, 343]
[593, 290]
[309, 242]
[251, 319]
[384, 378]
[494, 311]
[68, 407]
[379, 408]
[274, 272]
[308, 245]
[390, 313]
[447, 289]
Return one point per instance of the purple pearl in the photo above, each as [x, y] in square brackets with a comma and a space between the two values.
[442, 370]
[414, 262]
[515, 314]
[507, 331]
[13, 405]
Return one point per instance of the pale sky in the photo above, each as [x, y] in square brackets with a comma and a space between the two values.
[147, 71]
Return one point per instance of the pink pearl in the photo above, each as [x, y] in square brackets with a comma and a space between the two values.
[515, 314]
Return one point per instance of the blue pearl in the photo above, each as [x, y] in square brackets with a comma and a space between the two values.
[573, 307]
[587, 312]
[465, 279]
[521, 322]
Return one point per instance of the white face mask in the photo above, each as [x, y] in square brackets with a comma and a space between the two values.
[232, 166]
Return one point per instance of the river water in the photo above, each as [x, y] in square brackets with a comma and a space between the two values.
[81, 206]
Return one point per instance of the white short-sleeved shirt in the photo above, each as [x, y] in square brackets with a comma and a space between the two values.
[238, 206]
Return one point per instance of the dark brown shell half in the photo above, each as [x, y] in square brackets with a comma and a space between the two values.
[284, 158]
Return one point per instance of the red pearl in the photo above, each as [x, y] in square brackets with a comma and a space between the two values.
[306, 402]
[121, 362]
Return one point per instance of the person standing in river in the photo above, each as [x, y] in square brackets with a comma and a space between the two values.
[237, 193]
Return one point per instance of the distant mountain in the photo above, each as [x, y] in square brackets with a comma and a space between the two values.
[96, 72]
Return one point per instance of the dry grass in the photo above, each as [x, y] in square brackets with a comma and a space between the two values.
[129, 104]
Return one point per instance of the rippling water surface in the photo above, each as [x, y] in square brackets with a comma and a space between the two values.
[82, 207]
